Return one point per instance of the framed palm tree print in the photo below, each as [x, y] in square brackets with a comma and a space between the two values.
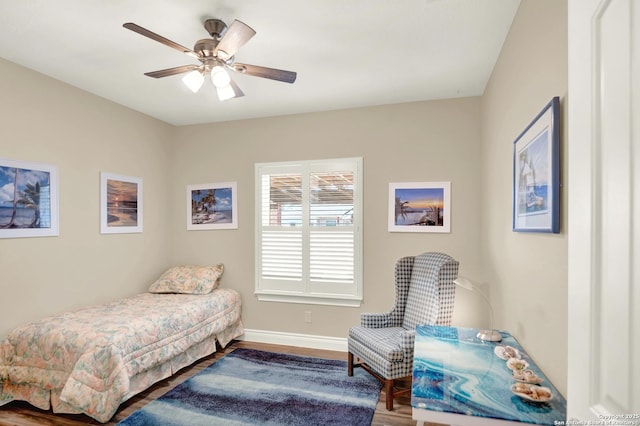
[28, 199]
[212, 206]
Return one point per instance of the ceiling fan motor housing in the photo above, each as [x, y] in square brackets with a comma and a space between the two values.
[206, 47]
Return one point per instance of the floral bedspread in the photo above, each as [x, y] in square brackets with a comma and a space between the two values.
[85, 358]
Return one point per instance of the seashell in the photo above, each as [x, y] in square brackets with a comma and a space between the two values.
[516, 364]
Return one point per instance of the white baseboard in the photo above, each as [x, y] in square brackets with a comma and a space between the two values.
[294, 339]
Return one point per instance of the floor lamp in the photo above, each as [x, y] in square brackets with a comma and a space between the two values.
[490, 335]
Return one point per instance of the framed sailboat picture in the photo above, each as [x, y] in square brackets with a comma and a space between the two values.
[536, 173]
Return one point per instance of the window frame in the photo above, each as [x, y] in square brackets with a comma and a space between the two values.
[303, 291]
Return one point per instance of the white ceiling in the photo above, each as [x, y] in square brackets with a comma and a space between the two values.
[347, 53]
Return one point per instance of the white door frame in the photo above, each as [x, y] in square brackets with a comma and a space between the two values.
[604, 210]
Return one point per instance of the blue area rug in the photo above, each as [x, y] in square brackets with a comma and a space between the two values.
[249, 387]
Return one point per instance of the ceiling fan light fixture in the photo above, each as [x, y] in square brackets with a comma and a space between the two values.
[220, 77]
[226, 92]
[193, 80]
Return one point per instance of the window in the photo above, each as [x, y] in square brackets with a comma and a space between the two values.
[308, 232]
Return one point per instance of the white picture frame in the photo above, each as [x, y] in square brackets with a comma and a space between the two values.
[28, 199]
[420, 207]
[121, 204]
[212, 206]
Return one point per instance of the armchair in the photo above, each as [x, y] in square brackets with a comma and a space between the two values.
[383, 343]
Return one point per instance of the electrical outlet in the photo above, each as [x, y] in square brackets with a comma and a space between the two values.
[307, 316]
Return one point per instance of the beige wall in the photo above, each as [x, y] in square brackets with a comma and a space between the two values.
[415, 142]
[43, 120]
[526, 273]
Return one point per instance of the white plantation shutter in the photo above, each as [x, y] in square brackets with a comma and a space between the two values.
[331, 256]
[282, 255]
[308, 239]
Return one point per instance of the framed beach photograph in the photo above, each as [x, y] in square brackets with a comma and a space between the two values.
[120, 204]
[212, 206]
[420, 207]
[28, 199]
[536, 173]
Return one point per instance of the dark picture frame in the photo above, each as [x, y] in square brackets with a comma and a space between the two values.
[536, 173]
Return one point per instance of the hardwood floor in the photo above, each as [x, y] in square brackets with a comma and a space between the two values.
[18, 413]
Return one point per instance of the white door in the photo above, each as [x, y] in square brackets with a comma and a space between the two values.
[604, 210]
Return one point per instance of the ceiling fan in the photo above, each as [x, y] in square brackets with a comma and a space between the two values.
[216, 56]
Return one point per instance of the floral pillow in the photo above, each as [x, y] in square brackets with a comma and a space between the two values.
[188, 279]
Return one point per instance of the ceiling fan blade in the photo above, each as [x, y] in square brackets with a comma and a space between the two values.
[264, 72]
[171, 71]
[153, 36]
[233, 39]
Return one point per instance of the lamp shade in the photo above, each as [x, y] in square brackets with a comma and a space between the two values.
[490, 335]
[464, 283]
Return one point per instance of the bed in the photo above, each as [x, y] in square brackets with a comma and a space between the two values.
[91, 360]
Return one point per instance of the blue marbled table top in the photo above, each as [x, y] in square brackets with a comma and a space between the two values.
[455, 372]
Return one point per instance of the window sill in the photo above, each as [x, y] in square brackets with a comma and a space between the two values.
[309, 300]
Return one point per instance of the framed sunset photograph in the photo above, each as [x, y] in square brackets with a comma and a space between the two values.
[120, 204]
[420, 207]
[28, 199]
[212, 206]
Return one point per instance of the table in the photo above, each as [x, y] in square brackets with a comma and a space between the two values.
[459, 380]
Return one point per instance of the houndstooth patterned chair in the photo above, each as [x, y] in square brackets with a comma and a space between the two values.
[383, 344]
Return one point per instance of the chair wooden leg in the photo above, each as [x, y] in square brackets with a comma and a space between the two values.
[387, 383]
[388, 389]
